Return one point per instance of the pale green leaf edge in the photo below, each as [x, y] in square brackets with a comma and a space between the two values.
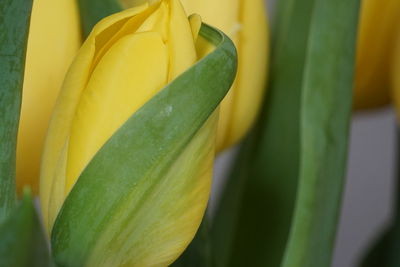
[22, 239]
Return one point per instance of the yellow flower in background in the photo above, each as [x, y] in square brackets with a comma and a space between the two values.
[396, 75]
[379, 23]
[127, 59]
[245, 22]
[54, 40]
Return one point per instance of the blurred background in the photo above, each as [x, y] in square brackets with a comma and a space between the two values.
[369, 191]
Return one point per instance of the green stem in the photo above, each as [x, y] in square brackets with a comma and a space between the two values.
[14, 28]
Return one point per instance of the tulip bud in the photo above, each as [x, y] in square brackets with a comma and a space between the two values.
[379, 22]
[111, 78]
[245, 23]
[143, 154]
[54, 39]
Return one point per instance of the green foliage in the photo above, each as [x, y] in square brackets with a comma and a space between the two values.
[325, 116]
[199, 253]
[22, 240]
[287, 189]
[14, 28]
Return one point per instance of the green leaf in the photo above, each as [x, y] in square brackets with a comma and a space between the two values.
[325, 118]
[14, 27]
[135, 188]
[211, 246]
[257, 205]
[199, 253]
[92, 11]
[288, 190]
[22, 240]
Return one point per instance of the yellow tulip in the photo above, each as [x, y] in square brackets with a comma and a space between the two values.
[127, 59]
[396, 75]
[54, 39]
[245, 22]
[379, 22]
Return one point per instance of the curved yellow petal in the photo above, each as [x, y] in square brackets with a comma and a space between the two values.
[253, 56]
[54, 40]
[379, 22]
[396, 76]
[223, 14]
[180, 41]
[53, 169]
[246, 24]
[195, 25]
[117, 88]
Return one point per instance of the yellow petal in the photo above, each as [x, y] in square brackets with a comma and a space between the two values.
[117, 88]
[246, 24]
[377, 32]
[195, 25]
[223, 14]
[180, 41]
[396, 76]
[253, 55]
[54, 40]
[53, 170]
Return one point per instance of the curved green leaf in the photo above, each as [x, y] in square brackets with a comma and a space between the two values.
[257, 204]
[288, 189]
[130, 176]
[14, 28]
[22, 240]
[325, 118]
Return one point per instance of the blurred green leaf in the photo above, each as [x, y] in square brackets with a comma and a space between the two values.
[199, 253]
[257, 205]
[136, 160]
[22, 240]
[14, 28]
[288, 189]
[92, 11]
[325, 118]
